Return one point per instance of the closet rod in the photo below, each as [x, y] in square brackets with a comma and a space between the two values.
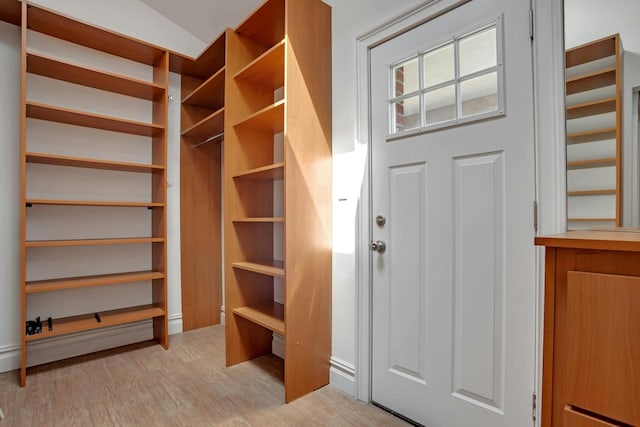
[208, 140]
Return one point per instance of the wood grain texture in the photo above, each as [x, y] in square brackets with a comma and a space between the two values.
[270, 172]
[48, 66]
[266, 25]
[275, 268]
[613, 240]
[308, 198]
[81, 162]
[211, 125]
[37, 110]
[92, 242]
[269, 316]
[209, 94]
[267, 69]
[269, 119]
[11, 11]
[212, 58]
[90, 281]
[591, 136]
[595, 80]
[576, 419]
[591, 51]
[603, 347]
[606, 105]
[94, 203]
[188, 385]
[593, 163]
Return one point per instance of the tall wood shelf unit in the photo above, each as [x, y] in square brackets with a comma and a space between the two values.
[202, 130]
[278, 128]
[34, 19]
[594, 115]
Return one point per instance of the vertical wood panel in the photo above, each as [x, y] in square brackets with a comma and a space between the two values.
[23, 193]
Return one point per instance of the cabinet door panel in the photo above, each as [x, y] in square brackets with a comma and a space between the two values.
[576, 419]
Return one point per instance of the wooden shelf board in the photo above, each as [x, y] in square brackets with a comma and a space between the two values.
[271, 172]
[91, 242]
[275, 269]
[207, 93]
[90, 281]
[80, 162]
[266, 24]
[58, 26]
[210, 126]
[212, 58]
[591, 51]
[52, 113]
[591, 192]
[86, 322]
[595, 80]
[268, 316]
[94, 203]
[260, 219]
[606, 105]
[591, 136]
[47, 66]
[267, 69]
[588, 164]
[269, 119]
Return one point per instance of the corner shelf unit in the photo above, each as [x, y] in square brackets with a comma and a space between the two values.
[202, 130]
[278, 189]
[594, 133]
[154, 92]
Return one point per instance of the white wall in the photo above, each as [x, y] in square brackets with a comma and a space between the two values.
[351, 19]
[588, 20]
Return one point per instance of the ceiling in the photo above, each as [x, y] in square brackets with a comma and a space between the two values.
[205, 19]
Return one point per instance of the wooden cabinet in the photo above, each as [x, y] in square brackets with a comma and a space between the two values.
[591, 359]
[594, 133]
[40, 149]
[277, 155]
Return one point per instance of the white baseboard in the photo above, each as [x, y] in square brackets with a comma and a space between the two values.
[175, 323]
[9, 358]
[343, 375]
[277, 345]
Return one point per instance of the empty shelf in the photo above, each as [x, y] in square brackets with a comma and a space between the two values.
[211, 125]
[79, 162]
[91, 242]
[595, 163]
[267, 69]
[259, 220]
[595, 80]
[591, 136]
[268, 316]
[591, 219]
[36, 110]
[90, 281]
[607, 105]
[86, 322]
[91, 77]
[591, 51]
[271, 172]
[209, 94]
[269, 119]
[591, 193]
[94, 203]
[275, 269]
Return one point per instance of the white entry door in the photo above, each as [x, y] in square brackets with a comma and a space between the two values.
[453, 190]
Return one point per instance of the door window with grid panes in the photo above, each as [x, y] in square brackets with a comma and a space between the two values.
[455, 82]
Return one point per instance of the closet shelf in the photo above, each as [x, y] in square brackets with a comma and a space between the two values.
[595, 80]
[266, 25]
[591, 193]
[86, 322]
[602, 106]
[267, 173]
[47, 66]
[94, 203]
[267, 69]
[588, 164]
[37, 110]
[91, 242]
[90, 281]
[209, 94]
[269, 119]
[270, 316]
[275, 268]
[211, 125]
[591, 51]
[259, 219]
[80, 162]
[591, 219]
[591, 136]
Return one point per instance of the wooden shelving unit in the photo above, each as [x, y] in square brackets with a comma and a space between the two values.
[154, 92]
[203, 119]
[274, 142]
[594, 114]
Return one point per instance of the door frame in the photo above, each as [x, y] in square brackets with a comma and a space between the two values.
[549, 128]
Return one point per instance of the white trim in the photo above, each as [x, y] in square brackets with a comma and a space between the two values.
[343, 375]
[277, 345]
[402, 23]
[9, 358]
[175, 323]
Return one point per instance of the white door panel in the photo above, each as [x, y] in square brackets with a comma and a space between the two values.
[453, 293]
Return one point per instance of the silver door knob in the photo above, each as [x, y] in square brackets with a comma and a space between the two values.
[378, 246]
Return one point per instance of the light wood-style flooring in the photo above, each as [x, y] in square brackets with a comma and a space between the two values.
[188, 385]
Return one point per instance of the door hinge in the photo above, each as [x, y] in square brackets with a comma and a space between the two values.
[531, 23]
[535, 216]
[534, 406]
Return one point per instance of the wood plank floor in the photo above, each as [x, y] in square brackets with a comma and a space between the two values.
[188, 385]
